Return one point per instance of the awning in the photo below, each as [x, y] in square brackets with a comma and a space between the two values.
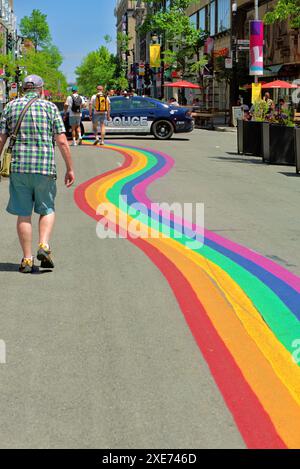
[272, 70]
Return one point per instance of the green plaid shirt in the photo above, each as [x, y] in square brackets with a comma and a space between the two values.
[33, 151]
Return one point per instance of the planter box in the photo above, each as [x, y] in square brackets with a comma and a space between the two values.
[250, 137]
[266, 142]
[297, 148]
[282, 145]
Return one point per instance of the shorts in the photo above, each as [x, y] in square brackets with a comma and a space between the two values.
[31, 191]
[100, 118]
[74, 120]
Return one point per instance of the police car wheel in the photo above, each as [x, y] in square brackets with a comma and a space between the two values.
[162, 130]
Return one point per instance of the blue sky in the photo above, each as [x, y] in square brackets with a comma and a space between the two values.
[77, 26]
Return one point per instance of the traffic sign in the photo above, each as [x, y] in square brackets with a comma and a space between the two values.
[228, 62]
[13, 92]
[142, 69]
[243, 42]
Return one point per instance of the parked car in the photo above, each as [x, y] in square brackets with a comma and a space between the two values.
[147, 116]
[142, 116]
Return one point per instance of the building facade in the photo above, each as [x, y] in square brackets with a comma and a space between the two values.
[126, 33]
[281, 50]
[216, 18]
[8, 26]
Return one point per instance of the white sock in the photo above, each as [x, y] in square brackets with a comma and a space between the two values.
[79, 136]
[74, 140]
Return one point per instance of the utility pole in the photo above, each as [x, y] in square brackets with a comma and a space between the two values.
[256, 17]
[234, 79]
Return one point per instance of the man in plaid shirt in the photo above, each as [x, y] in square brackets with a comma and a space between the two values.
[33, 169]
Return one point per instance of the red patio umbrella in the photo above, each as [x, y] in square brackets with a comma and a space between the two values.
[183, 84]
[279, 84]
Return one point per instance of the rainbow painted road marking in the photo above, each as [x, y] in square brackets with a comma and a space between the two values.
[242, 309]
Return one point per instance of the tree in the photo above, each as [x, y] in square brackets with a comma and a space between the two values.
[36, 28]
[46, 64]
[185, 40]
[98, 67]
[283, 10]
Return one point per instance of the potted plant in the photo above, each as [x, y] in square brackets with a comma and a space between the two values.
[297, 148]
[250, 133]
[281, 138]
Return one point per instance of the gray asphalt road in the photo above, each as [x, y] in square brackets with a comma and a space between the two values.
[94, 359]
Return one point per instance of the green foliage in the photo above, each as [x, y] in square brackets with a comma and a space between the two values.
[185, 40]
[99, 67]
[123, 42]
[261, 109]
[36, 28]
[284, 10]
[46, 64]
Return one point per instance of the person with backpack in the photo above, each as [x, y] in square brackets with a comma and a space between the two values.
[99, 113]
[73, 106]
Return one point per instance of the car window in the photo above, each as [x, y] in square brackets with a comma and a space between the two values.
[120, 104]
[139, 103]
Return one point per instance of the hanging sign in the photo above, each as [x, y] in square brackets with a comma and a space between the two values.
[256, 48]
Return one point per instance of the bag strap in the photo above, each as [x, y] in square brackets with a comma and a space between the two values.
[14, 135]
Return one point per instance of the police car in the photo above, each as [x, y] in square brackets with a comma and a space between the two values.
[146, 116]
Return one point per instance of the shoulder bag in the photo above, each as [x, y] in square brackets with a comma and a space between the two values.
[6, 160]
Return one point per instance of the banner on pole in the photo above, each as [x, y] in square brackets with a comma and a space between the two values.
[155, 56]
[256, 48]
[256, 92]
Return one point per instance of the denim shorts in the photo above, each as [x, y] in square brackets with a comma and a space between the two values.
[74, 120]
[31, 191]
[100, 118]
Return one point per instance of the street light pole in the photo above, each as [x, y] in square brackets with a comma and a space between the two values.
[256, 17]
[234, 79]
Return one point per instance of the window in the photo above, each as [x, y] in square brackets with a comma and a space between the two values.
[202, 19]
[138, 103]
[120, 104]
[224, 11]
[212, 20]
[194, 20]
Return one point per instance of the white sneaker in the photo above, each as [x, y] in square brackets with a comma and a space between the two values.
[73, 144]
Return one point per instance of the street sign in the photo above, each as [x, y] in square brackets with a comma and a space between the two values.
[237, 114]
[243, 42]
[243, 47]
[228, 62]
[13, 92]
[141, 69]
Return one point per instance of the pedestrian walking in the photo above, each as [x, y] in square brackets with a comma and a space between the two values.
[99, 113]
[33, 169]
[73, 106]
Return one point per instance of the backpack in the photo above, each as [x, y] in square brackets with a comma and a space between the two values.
[101, 103]
[76, 103]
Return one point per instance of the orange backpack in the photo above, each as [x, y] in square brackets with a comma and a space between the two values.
[101, 103]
